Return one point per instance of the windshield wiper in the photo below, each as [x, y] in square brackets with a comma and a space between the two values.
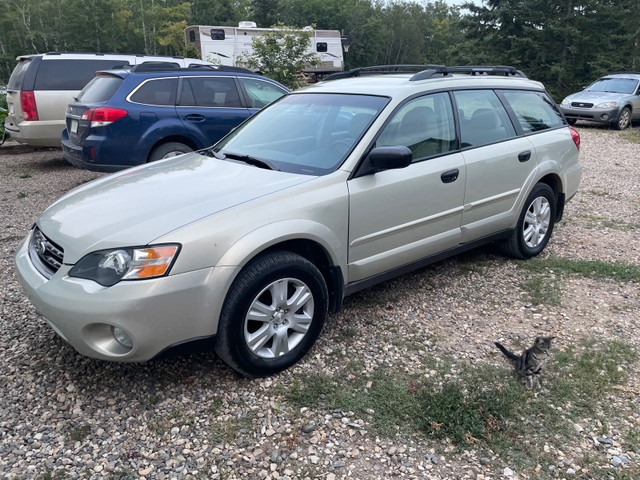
[248, 159]
[209, 151]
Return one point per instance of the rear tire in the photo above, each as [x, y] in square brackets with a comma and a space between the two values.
[272, 315]
[535, 224]
[167, 150]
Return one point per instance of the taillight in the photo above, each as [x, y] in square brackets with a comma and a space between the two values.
[28, 102]
[576, 137]
[102, 116]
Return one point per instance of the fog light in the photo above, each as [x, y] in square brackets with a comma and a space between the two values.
[122, 337]
[605, 116]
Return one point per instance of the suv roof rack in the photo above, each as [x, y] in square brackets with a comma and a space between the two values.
[429, 71]
[172, 67]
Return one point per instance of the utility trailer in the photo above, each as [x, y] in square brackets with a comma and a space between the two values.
[228, 45]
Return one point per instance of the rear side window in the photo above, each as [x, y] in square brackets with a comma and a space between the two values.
[483, 119]
[15, 81]
[70, 74]
[260, 93]
[210, 92]
[534, 110]
[100, 89]
[160, 91]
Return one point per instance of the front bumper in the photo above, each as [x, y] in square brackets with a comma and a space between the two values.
[597, 115]
[156, 313]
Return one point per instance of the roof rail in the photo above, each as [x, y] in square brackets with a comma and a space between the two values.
[147, 67]
[474, 70]
[429, 71]
[377, 70]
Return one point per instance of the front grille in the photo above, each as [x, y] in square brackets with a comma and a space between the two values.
[46, 256]
[581, 105]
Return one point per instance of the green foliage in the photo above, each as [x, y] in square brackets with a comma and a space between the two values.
[565, 43]
[282, 55]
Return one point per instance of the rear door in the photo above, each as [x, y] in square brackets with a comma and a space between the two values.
[499, 163]
[210, 106]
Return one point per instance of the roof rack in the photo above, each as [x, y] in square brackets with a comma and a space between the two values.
[429, 71]
[172, 67]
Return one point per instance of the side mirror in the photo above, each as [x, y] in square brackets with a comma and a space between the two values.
[388, 158]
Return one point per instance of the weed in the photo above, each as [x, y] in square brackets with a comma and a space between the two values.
[25, 175]
[51, 475]
[79, 433]
[595, 221]
[22, 195]
[542, 290]
[122, 474]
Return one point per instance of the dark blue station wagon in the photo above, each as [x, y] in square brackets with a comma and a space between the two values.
[124, 118]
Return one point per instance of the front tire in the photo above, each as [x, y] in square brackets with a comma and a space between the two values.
[273, 314]
[624, 120]
[535, 224]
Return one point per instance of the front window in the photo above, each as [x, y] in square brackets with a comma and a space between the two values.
[614, 85]
[425, 125]
[261, 93]
[305, 133]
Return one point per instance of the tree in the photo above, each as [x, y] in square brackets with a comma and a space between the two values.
[282, 54]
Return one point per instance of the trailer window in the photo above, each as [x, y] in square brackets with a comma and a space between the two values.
[192, 36]
[217, 34]
[321, 47]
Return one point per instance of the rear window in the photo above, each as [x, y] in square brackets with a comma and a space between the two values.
[156, 92]
[100, 89]
[70, 74]
[534, 110]
[15, 81]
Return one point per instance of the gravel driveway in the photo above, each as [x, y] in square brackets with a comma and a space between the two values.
[66, 416]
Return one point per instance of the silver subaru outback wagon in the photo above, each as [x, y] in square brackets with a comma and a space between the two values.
[334, 187]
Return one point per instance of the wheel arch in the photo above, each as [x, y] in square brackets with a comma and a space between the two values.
[554, 181]
[172, 138]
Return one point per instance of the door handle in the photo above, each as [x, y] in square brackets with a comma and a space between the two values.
[195, 117]
[524, 156]
[450, 175]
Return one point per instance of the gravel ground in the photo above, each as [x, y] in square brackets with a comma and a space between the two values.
[66, 416]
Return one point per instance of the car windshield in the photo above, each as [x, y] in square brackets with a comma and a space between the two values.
[306, 133]
[614, 85]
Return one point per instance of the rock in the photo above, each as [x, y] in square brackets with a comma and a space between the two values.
[485, 461]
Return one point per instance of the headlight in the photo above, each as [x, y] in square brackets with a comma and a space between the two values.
[108, 267]
[565, 102]
[606, 105]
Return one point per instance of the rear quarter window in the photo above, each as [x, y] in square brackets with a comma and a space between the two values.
[100, 89]
[15, 81]
[68, 74]
[535, 111]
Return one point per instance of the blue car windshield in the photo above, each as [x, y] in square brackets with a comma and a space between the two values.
[614, 85]
[308, 133]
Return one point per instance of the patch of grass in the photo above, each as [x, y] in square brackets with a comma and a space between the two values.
[631, 135]
[597, 221]
[484, 407]
[22, 195]
[122, 474]
[543, 290]
[79, 433]
[158, 427]
[619, 272]
[25, 175]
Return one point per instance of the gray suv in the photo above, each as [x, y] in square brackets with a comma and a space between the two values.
[611, 100]
[249, 244]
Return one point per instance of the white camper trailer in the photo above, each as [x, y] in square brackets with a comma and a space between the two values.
[227, 45]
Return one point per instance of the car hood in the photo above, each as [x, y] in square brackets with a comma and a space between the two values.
[136, 206]
[596, 97]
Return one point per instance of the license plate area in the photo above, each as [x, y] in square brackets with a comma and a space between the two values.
[74, 126]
